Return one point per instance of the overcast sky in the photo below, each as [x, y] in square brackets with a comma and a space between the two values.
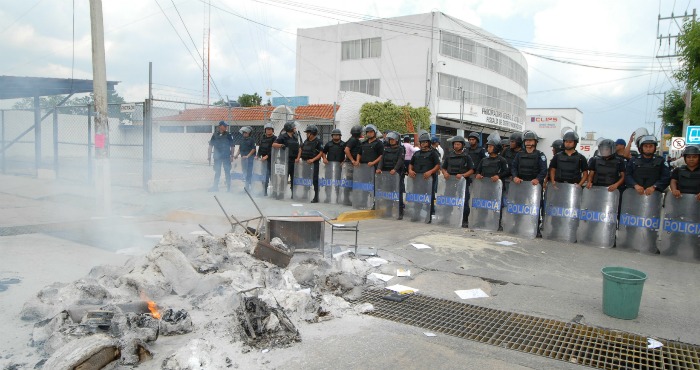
[253, 46]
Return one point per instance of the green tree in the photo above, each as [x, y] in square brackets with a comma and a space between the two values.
[389, 116]
[689, 55]
[672, 111]
[248, 100]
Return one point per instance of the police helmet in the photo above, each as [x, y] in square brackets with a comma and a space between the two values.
[392, 135]
[371, 127]
[570, 136]
[356, 130]
[424, 137]
[496, 145]
[312, 129]
[505, 143]
[223, 123]
[691, 149]
[289, 126]
[558, 145]
[647, 139]
[245, 129]
[605, 148]
[269, 125]
[517, 137]
[474, 135]
[336, 131]
[457, 139]
[530, 135]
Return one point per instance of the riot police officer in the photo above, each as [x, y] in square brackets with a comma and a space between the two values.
[246, 150]
[515, 145]
[647, 172]
[221, 143]
[459, 164]
[494, 166]
[569, 166]
[371, 149]
[290, 140]
[529, 164]
[334, 150]
[352, 146]
[425, 162]
[606, 169]
[475, 151]
[265, 150]
[686, 179]
[392, 162]
[311, 151]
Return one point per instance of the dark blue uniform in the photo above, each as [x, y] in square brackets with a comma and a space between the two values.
[222, 144]
[648, 172]
[530, 166]
[291, 143]
[265, 149]
[247, 144]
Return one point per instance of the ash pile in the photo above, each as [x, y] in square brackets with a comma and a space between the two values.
[205, 301]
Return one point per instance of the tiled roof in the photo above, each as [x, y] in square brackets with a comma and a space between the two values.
[215, 114]
[315, 111]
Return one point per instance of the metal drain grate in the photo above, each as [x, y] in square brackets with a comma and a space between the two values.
[571, 342]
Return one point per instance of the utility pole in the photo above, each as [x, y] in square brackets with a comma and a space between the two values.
[688, 95]
[99, 81]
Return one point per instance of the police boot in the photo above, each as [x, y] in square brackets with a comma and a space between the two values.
[315, 200]
[400, 214]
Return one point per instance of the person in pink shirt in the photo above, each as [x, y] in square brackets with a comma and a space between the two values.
[410, 149]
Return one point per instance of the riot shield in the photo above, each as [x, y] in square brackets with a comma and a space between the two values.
[237, 170]
[303, 188]
[279, 174]
[521, 209]
[363, 187]
[485, 204]
[345, 193]
[329, 182]
[680, 235]
[418, 198]
[561, 212]
[259, 176]
[449, 201]
[386, 201]
[597, 218]
[639, 221]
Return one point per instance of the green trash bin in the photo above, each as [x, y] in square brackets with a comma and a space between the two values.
[622, 292]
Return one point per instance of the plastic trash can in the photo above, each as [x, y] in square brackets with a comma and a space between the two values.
[622, 291]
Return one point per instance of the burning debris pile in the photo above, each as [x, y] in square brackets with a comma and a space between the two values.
[212, 297]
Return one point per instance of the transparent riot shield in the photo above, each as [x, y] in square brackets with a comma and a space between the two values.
[561, 212]
[680, 233]
[345, 193]
[418, 198]
[521, 210]
[597, 218]
[640, 218]
[259, 177]
[237, 170]
[329, 182]
[386, 201]
[485, 204]
[449, 201]
[279, 174]
[363, 187]
[303, 189]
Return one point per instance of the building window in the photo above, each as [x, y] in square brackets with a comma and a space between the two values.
[470, 51]
[361, 49]
[172, 129]
[200, 129]
[480, 94]
[370, 87]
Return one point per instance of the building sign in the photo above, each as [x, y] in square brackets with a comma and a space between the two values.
[545, 122]
[677, 143]
[502, 119]
[692, 135]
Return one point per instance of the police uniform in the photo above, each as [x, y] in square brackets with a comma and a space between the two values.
[476, 154]
[247, 144]
[222, 144]
[393, 159]
[607, 171]
[265, 149]
[335, 152]
[529, 166]
[309, 150]
[688, 181]
[491, 166]
[353, 144]
[370, 150]
[454, 164]
[291, 142]
[569, 168]
[648, 172]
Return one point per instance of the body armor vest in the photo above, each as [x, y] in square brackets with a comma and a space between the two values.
[457, 163]
[335, 151]
[391, 157]
[567, 168]
[423, 161]
[606, 171]
[647, 173]
[265, 147]
[528, 166]
[368, 152]
[688, 181]
[490, 166]
[309, 149]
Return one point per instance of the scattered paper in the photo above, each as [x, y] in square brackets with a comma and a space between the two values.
[382, 277]
[428, 334]
[653, 343]
[506, 243]
[266, 350]
[402, 288]
[340, 225]
[376, 261]
[198, 232]
[154, 236]
[420, 246]
[471, 293]
[339, 254]
[402, 272]
[297, 205]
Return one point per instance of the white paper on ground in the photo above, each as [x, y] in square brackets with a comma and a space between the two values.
[154, 236]
[507, 243]
[402, 272]
[381, 277]
[427, 334]
[198, 232]
[401, 288]
[471, 293]
[376, 261]
[336, 255]
[420, 246]
[653, 343]
[297, 205]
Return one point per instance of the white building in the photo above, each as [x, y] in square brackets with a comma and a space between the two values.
[551, 124]
[467, 77]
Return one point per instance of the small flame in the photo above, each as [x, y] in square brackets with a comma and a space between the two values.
[154, 309]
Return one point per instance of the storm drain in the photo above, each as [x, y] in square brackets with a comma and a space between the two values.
[571, 342]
